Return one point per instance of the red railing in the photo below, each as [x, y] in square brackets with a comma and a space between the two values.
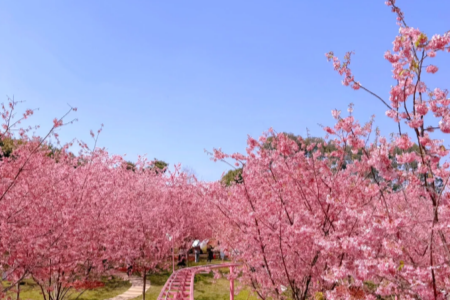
[178, 291]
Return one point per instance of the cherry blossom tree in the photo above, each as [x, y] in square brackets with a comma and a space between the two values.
[372, 228]
[66, 218]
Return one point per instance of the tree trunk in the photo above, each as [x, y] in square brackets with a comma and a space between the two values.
[18, 291]
[145, 281]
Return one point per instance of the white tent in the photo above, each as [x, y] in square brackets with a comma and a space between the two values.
[204, 245]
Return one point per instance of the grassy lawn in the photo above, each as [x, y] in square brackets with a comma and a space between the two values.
[112, 288]
[206, 288]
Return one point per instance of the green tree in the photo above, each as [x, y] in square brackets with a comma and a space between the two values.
[302, 143]
[232, 177]
[159, 166]
[7, 146]
[130, 166]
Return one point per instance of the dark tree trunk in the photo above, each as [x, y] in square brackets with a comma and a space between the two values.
[145, 281]
[18, 291]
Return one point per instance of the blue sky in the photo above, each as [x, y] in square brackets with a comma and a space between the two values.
[171, 78]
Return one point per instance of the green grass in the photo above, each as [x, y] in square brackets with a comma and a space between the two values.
[111, 289]
[205, 287]
[30, 290]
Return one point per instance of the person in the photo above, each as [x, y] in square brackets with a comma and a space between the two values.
[222, 251]
[181, 259]
[129, 269]
[210, 253]
[182, 262]
[222, 254]
[197, 253]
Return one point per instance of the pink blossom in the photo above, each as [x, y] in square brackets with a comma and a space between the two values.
[335, 113]
[444, 125]
[329, 130]
[439, 94]
[390, 57]
[421, 109]
[421, 87]
[415, 123]
[57, 123]
[404, 142]
[439, 42]
[432, 69]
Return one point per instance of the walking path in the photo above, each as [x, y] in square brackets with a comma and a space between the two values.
[135, 290]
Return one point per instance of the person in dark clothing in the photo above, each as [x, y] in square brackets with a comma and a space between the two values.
[181, 261]
[129, 270]
[181, 258]
[210, 253]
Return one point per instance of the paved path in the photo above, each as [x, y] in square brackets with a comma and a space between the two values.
[135, 290]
